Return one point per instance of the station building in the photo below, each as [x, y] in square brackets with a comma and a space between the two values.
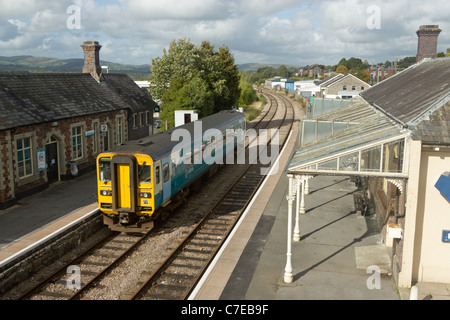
[53, 125]
[396, 141]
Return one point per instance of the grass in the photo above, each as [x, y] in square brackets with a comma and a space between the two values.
[253, 110]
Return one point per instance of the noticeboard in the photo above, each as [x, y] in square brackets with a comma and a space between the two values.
[41, 160]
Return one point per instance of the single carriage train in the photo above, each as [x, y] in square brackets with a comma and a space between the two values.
[140, 180]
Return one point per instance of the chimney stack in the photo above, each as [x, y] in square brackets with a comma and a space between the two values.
[92, 59]
[428, 38]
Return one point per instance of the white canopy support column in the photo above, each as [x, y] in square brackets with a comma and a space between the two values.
[288, 277]
[299, 188]
[302, 190]
[302, 196]
[307, 184]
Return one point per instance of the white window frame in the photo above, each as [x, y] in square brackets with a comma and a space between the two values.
[76, 148]
[120, 130]
[96, 137]
[31, 158]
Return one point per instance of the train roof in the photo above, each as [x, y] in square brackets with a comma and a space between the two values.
[159, 145]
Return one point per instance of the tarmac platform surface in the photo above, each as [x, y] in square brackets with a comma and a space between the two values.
[330, 262]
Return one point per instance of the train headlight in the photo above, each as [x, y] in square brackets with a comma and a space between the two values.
[146, 195]
[106, 193]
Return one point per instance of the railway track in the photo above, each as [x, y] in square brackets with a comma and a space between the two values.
[198, 230]
[177, 276]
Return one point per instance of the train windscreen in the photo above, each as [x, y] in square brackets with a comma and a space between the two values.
[145, 175]
[104, 167]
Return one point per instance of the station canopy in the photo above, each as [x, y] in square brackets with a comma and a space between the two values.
[357, 139]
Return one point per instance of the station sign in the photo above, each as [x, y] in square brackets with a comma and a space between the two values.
[446, 236]
[89, 133]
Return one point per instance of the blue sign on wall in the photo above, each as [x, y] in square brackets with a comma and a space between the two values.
[443, 185]
[446, 236]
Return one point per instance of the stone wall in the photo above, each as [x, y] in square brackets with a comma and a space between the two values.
[13, 188]
[349, 82]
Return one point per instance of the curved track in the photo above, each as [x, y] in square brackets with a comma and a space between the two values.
[178, 251]
[179, 273]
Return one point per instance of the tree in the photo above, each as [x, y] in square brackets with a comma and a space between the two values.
[175, 63]
[342, 69]
[343, 62]
[364, 75]
[354, 65]
[191, 77]
[230, 81]
[182, 95]
[406, 62]
[283, 72]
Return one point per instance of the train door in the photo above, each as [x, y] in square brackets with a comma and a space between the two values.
[123, 186]
[51, 155]
[124, 183]
[166, 177]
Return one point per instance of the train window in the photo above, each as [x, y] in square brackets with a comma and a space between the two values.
[174, 169]
[157, 175]
[166, 172]
[104, 167]
[145, 175]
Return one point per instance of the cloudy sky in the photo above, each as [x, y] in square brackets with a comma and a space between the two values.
[292, 32]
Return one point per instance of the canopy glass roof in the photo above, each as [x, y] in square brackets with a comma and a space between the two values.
[320, 106]
[353, 140]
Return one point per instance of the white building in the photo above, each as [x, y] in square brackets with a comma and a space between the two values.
[185, 116]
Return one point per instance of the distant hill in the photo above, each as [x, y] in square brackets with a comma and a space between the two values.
[30, 64]
[252, 67]
[255, 66]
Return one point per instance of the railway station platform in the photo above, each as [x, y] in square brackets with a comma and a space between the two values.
[44, 213]
[330, 262]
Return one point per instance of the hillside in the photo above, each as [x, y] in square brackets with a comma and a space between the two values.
[252, 67]
[30, 64]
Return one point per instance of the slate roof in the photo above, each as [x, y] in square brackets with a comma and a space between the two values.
[27, 99]
[418, 98]
[335, 77]
[435, 130]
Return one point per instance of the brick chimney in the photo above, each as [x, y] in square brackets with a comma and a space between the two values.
[92, 59]
[428, 38]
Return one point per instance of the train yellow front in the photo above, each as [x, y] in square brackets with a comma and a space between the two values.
[139, 180]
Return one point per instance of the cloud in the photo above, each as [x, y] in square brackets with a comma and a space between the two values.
[10, 29]
[177, 9]
[283, 31]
